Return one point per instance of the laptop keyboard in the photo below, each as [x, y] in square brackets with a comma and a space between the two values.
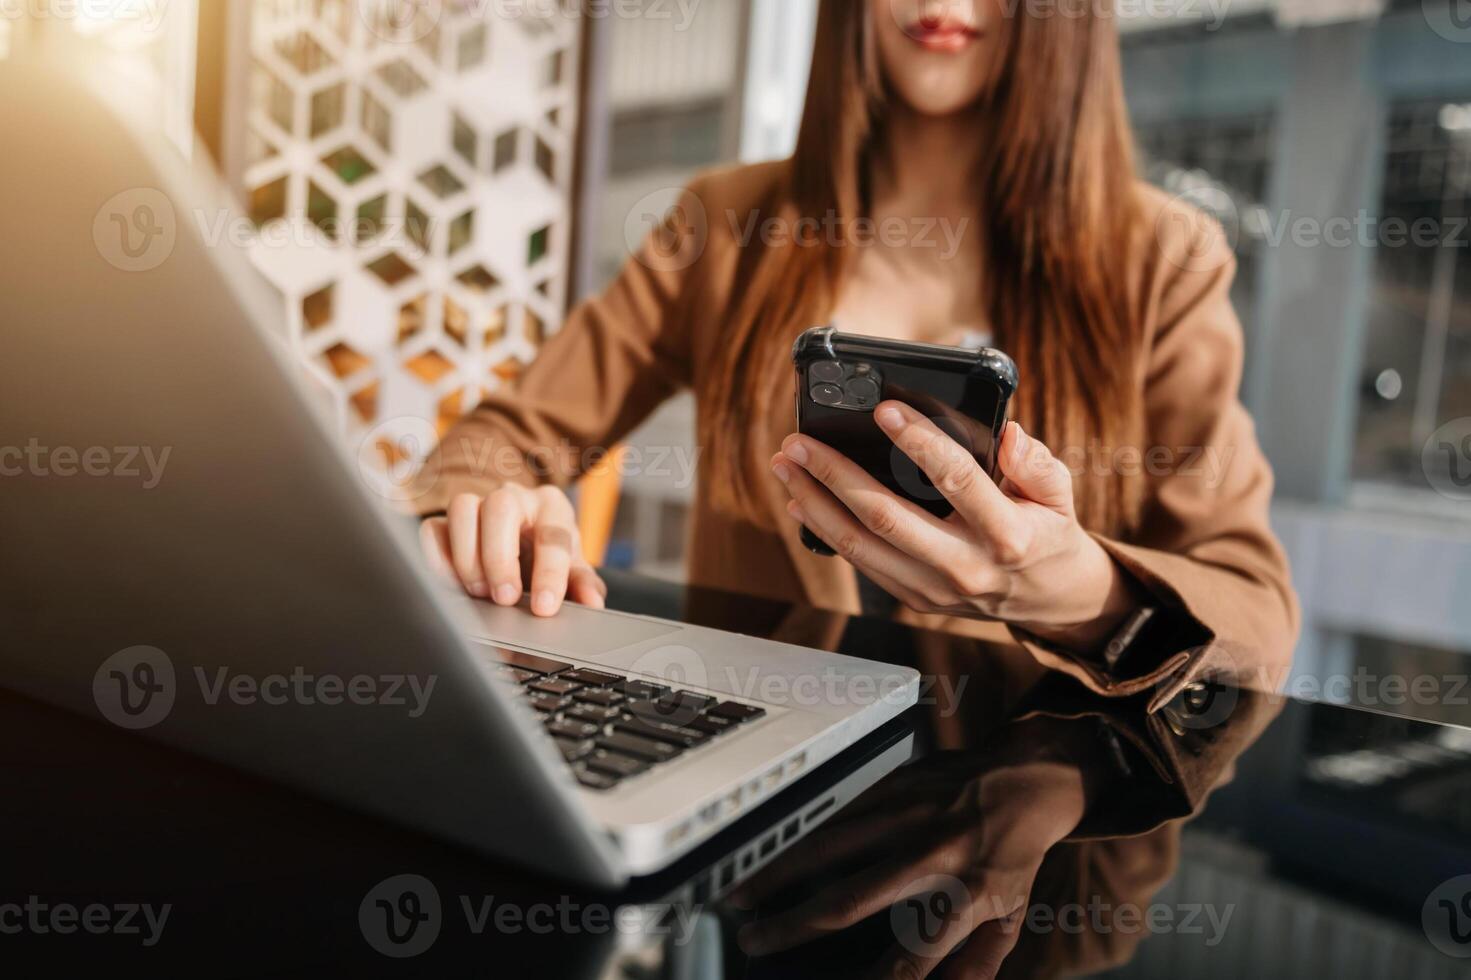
[610, 727]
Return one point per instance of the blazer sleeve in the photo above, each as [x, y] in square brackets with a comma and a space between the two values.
[616, 358]
[1205, 553]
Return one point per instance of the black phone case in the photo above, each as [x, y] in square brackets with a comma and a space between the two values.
[966, 392]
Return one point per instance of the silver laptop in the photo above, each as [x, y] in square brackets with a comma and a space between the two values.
[185, 551]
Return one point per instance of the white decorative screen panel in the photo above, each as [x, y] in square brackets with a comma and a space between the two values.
[408, 176]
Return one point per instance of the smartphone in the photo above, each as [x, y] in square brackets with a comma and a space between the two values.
[842, 378]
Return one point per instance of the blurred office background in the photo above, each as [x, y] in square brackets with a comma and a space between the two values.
[456, 178]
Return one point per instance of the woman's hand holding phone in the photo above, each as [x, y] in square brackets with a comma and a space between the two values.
[1013, 552]
[490, 545]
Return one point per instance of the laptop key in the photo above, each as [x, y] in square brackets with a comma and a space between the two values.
[700, 701]
[574, 749]
[531, 662]
[736, 712]
[590, 677]
[665, 712]
[641, 690]
[711, 724]
[685, 738]
[547, 704]
[572, 729]
[640, 748]
[515, 675]
[602, 698]
[554, 685]
[593, 779]
[615, 763]
[592, 713]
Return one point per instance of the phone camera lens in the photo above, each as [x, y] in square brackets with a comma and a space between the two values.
[827, 394]
[826, 371]
[864, 391]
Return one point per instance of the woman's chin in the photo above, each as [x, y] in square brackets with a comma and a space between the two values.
[939, 105]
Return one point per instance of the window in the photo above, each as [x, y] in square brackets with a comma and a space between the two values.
[1221, 164]
[1417, 356]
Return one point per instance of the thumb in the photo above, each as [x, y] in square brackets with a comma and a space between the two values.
[1033, 472]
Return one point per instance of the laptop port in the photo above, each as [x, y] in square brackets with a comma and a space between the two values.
[773, 779]
[796, 764]
[768, 846]
[677, 834]
[789, 832]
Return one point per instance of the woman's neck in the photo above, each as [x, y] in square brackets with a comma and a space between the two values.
[930, 162]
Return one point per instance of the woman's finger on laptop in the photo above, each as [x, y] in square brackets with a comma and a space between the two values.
[588, 587]
[505, 515]
[555, 549]
[464, 543]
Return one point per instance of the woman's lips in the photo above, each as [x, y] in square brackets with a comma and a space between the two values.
[945, 36]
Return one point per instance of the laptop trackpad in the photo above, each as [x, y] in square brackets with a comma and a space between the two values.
[575, 631]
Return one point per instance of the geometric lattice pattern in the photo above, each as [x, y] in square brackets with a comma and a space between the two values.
[416, 172]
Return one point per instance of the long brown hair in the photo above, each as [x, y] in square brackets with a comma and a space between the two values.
[1058, 209]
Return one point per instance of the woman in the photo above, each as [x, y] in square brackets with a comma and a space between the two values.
[1132, 479]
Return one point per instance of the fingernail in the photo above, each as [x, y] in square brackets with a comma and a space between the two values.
[888, 417]
[795, 510]
[1023, 441]
[506, 594]
[544, 603]
[476, 589]
[782, 473]
[797, 453]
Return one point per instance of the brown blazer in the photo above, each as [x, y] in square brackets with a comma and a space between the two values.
[1204, 550]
